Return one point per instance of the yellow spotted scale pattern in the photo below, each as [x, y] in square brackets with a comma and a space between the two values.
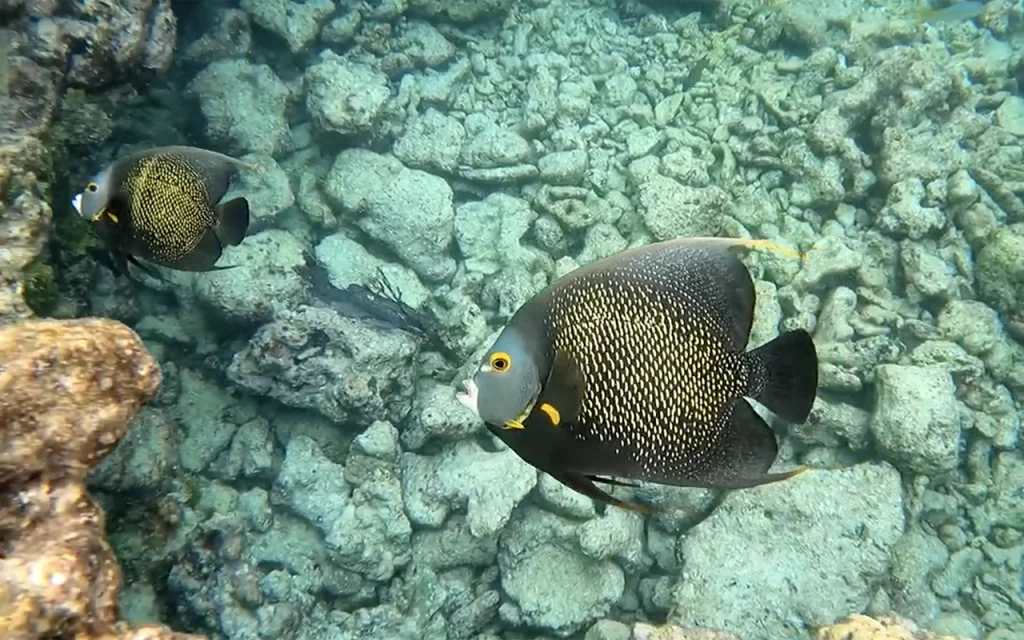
[169, 205]
[653, 348]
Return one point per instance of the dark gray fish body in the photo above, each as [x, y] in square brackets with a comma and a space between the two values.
[161, 205]
[644, 372]
[383, 309]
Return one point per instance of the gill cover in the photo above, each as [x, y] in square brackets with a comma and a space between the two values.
[508, 380]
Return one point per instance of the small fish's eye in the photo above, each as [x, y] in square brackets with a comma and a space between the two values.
[500, 362]
[92, 187]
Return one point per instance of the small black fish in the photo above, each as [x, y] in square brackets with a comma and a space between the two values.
[694, 74]
[381, 307]
[635, 367]
[160, 205]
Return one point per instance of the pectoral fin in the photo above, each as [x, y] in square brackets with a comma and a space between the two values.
[585, 485]
[612, 481]
[559, 406]
[561, 396]
[145, 268]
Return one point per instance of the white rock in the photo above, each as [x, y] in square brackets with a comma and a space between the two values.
[1010, 115]
[345, 95]
[409, 211]
[917, 418]
[801, 553]
[267, 276]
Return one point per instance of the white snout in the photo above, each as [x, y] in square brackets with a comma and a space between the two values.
[470, 397]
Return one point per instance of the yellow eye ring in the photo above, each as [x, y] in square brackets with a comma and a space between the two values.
[500, 362]
[92, 187]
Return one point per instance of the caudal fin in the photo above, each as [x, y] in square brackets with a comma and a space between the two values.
[789, 371]
[232, 220]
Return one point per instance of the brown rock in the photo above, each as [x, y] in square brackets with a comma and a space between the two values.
[860, 627]
[68, 392]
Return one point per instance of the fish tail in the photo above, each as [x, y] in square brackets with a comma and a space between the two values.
[788, 380]
[232, 220]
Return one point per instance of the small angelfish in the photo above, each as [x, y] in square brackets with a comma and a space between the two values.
[161, 205]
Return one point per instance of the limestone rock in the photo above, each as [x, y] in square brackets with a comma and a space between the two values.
[917, 418]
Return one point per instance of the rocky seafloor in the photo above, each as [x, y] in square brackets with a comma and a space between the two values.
[303, 474]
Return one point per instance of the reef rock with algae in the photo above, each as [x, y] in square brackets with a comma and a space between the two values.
[27, 102]
[68, 392]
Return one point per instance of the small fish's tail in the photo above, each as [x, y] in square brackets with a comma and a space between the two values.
[788, 380]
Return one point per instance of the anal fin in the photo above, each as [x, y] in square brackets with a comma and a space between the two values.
[202, 257]
[612, 481]
[145, 268]
[744, 454]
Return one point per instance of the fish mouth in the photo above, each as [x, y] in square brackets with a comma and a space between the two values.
[470, 397]
[76, 202]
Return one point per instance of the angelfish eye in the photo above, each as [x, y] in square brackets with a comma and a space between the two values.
[500, 362]
[91, 187]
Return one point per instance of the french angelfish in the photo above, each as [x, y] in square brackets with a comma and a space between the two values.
[161, 205]
[635, 367]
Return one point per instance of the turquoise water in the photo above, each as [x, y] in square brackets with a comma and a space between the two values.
[307, 471]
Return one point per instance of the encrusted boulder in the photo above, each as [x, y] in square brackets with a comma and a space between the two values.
[68, 392]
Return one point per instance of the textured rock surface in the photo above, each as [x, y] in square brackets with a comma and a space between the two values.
[460, 10]
[313, 358]
[917, 420]
[408, 210]
[99, 41]
[855, 627]
[782, 535]
[296, 22]
[345, 96]
[68, 391]
[25, 115]
[244, 105]
[671, 632]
